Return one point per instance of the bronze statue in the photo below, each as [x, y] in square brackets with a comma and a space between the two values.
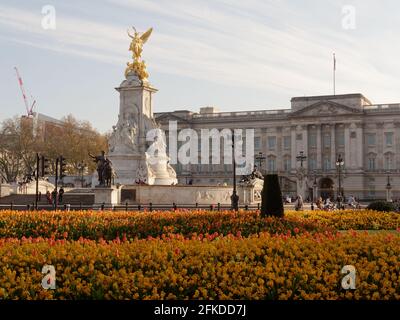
[104, 169]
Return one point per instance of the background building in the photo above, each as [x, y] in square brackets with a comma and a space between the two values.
[322, 127]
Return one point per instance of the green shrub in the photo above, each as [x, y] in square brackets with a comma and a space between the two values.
[383, 206]
[271, 199]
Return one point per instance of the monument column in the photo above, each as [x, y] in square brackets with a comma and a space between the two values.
[135, 160]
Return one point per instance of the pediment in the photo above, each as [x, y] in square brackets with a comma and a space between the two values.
[325, 108]
[165, 117]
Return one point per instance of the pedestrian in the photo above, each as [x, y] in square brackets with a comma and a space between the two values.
[40, 196]
[54, 197]
[60, 195]
[48, 197]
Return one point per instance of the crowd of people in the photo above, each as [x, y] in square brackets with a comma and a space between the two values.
[322, 204]
[51, 197]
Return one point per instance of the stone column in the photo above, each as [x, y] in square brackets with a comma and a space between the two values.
[359, 146]
[278, 148]
[293, 147]
[347, 145]
[380, 143]
[333, 146]
[319, 147]
[396, 145]
[305, 144]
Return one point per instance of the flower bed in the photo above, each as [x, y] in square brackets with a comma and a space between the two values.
[109, 225]
[261, 266]
[349, 219]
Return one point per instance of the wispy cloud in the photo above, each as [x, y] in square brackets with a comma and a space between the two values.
[269, 45]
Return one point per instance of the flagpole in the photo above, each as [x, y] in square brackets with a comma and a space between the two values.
[334, 74]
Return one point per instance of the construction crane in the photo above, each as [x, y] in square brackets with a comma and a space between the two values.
[29, 107]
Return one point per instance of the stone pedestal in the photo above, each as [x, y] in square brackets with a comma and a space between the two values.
[128, 143]
[389, 194]
[301, 182]
[126, 167]
[5, 190]
[107, 196]
[189, 194]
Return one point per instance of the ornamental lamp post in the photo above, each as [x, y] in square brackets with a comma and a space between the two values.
[260, 157]
[234, 197]
[339, 165]
[301, 157]
[315, 185]
[81, 168]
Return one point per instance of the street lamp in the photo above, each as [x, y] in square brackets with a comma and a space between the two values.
[81, 168]
[315, 185]
[388, 188]
[339, 165]
[234, 197]
[301, 157]
[260, 157]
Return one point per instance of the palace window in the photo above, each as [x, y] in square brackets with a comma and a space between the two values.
[371, 191]
[312, 163]
[371, 139]
[371, 163]
[388, 161]
[340, 139]
[287, 165]
[389, 139]
[327, 163]
[313, 140]
[271, 143]
[327, 140]
[271, 164]
[286, 142]
[257, 143]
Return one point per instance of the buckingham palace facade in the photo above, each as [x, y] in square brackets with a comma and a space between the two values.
[366, 135]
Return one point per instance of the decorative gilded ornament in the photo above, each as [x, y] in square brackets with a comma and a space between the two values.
[138, 66]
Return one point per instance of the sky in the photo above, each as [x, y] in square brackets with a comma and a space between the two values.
[231, 54]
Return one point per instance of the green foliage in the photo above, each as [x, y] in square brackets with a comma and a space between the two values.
[271, 199]
[382, 206]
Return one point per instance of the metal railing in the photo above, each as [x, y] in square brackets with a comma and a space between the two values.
[125, 207]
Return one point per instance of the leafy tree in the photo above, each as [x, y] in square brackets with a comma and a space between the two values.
[17, 145]
[22, 138]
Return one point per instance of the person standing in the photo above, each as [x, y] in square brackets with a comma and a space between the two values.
[54, 197]
[48, 197]
[60, 195]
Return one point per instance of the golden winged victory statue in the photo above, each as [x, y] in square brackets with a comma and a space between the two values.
[138, 66]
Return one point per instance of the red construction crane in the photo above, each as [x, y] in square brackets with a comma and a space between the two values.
[28, 106]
